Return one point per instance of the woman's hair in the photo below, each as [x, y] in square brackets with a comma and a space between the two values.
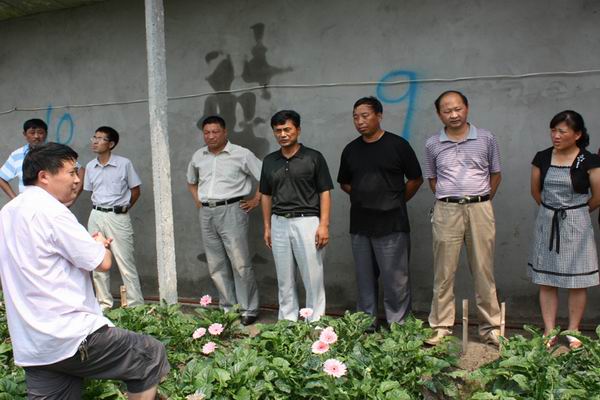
[574, 120]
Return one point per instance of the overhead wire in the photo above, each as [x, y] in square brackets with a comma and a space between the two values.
[316, 85]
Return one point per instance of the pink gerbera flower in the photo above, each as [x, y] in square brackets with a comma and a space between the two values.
[328, 335]
[334, 368]
[198, 333]
[205, 300]
[319, 347]
[209, 348]
[306, 312]
[215, 329]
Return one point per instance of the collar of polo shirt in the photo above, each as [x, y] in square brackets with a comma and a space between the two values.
[471, 136]
[110, 162]
[226, 149]
[299, 153]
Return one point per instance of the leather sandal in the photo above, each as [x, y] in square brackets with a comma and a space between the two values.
[574, 343]
[551, 341]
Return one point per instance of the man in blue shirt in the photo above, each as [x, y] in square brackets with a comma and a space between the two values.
[35, 132]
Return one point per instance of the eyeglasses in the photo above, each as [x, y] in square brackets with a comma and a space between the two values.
[95, 139]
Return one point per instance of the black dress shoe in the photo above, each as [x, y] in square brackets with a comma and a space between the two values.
[248, 319]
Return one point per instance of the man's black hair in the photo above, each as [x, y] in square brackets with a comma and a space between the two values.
[281, 117]
[111, 134]
[213, 119]
[441, 96]
[46, 157]
[370, 101]
[35, 123]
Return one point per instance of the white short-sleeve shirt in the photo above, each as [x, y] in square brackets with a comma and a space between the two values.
[111, 184]
[45, 261]
[225, 175]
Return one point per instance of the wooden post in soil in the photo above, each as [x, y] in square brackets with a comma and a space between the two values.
[123, 291]
[465, 321]
[502, 321]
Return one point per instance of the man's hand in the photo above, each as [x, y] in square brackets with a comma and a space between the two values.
[267, 237]
[99, 237]
[193, 189]
[106, 263]
[250, 204]
[322, 236]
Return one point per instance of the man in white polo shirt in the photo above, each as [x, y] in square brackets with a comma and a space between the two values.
[219, 176]
[58, 332]
[35, 132]
[115, 188]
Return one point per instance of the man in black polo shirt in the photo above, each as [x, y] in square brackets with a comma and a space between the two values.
[372, 172]
[295, 185]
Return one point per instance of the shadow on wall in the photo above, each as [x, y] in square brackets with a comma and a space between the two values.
[255, 70]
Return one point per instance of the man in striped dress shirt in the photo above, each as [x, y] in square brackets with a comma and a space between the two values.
[35, 132]
[462, 164]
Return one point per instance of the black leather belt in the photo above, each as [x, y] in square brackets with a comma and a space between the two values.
[294, 214]
[212, 204]
[555, 231]
[115, 209]
[465, 199]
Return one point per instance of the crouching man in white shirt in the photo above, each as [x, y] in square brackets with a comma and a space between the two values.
[58, 332]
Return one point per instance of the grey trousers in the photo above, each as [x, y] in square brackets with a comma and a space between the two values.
[386, 256]
[225, 237]
[293, 242]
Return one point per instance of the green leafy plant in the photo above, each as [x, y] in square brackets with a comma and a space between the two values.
[527, 369]
[103, 390]
[278, 364]
[287, 360]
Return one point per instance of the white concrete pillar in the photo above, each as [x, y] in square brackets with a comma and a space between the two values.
[161, 163]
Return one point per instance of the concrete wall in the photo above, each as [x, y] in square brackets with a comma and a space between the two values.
[96, 54]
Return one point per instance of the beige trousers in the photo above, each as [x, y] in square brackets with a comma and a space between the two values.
[474, 225]
[118, 227]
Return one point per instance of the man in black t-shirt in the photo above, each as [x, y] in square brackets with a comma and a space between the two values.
[295, 185]
[372, 172]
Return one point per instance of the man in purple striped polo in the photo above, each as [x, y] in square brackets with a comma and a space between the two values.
[462, 164]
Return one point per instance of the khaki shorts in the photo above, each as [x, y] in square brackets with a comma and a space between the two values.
[108, 353]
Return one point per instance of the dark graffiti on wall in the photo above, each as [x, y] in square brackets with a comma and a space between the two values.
[255, 69]
[388, 94]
